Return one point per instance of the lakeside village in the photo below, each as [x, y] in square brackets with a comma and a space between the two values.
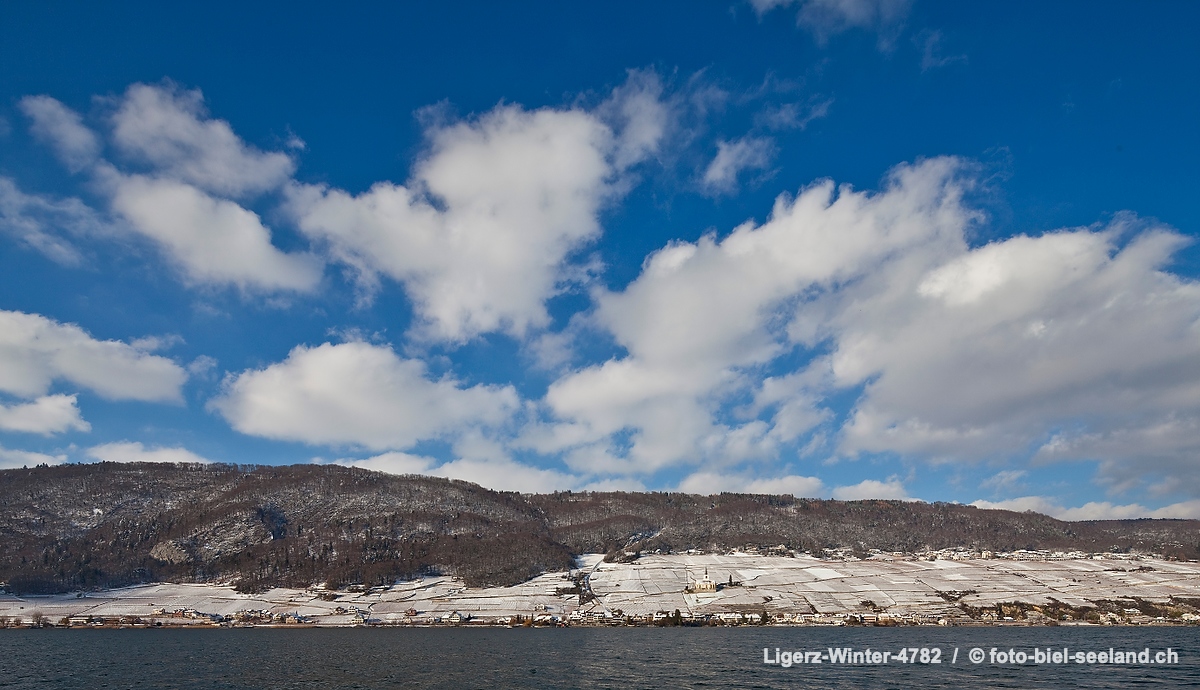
[741, 587]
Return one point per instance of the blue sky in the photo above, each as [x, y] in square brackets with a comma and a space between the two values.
[842, 248]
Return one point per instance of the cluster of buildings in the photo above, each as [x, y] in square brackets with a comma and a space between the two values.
[162, 617]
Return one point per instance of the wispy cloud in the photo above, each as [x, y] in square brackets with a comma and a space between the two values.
[932, 56]
[735, 157]
[828, 18]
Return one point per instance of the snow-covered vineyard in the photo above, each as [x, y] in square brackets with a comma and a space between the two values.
[736, 588]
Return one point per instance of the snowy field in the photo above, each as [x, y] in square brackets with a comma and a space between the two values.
[790, 589]
[805, 585]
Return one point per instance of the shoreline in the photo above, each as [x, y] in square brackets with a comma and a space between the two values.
[167, 625]
[692, 590]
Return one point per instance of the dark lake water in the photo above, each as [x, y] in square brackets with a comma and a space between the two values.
[575, 658]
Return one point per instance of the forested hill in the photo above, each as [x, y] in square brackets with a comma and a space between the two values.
[103, 525]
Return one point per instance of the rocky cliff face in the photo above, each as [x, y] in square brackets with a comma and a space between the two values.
[104, 525]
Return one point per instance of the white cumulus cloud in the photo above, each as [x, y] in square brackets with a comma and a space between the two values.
[49, 414]
[507, 475]
[497, 472]
[36, 351]
[1076, 344]
[716, 482]
[214, 241]
[391, 462]
[12, 459]
[170, 129]
[176, 184]
[892, 489]
[487, 228]
[357, 394]
[1076, 341]
[480, 234]
[702, 316]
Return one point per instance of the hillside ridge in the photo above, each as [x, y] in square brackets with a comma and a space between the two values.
[102, 525]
